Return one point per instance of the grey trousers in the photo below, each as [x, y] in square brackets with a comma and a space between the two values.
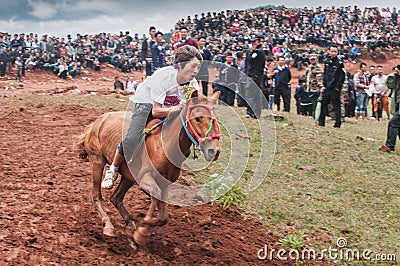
[140, 116]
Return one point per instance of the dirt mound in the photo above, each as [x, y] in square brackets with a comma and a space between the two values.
[46, 215]
[42, 82]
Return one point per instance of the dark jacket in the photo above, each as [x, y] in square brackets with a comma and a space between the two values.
[255, 62]
[231, 77]
[146, 49]
[158, 53]
[282, 77]
[207, 58]
[333, 74]
[302, 96]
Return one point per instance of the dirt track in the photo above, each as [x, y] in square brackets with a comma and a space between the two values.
[46, 216]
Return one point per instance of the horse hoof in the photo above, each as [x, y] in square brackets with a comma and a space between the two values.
[141, 235]
[108, 231]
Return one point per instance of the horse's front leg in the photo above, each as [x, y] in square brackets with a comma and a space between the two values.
[148, 184]
[143, 232]
[117, 199]
[163, 215]
[158, 199]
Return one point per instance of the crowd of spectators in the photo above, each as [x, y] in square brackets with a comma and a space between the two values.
[69, 56]
[284, 29]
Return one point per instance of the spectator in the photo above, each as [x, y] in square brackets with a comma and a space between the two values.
[146, 51]
[354, 53]
[3, 63]
[185, 40]
[303, 98]
[30, 63]
[380, 93]
[361, 87]
[118, 85]
[158, 53]
[393, 130]
[242, 82]
[75, 69]
[370, 74]
[268, 91]
[333, 81]
[203, 75]
[349, 99]
[131, 85]
[228, 79]
[314, 81]
[282, 77]
[63, 70]
[18, 68]
[254, 65]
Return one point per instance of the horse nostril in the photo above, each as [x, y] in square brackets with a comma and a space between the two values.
[211, 152]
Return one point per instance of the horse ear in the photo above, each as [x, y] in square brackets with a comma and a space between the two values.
[194, 94]
[214, 98]
[202, 96]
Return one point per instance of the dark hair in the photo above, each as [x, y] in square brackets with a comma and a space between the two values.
[186, 53]
[362, 64]
[184, 28]
[333, 46]
[202, 37]
[239, 55]
[269, 59]
[159, 33]
[228, 54]
[379, 66]
[152, 28]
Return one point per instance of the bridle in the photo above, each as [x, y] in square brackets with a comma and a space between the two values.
[192, 134]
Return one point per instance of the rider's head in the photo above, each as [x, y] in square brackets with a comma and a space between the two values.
[185, 54]
[188, 61]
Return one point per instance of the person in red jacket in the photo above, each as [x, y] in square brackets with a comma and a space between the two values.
[185, 40]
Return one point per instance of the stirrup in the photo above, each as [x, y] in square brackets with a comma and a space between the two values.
[109, 179]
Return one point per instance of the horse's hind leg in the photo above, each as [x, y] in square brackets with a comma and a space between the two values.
[117, 199]
[98, 163]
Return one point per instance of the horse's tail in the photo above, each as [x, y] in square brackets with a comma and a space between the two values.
[80, 143]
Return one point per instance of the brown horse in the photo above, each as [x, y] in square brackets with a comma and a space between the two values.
[156, 164]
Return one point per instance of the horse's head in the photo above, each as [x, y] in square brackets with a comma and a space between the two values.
[203, 125]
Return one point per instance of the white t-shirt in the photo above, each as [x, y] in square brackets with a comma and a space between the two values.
[131, 86]
[379, 83]
[162, 87]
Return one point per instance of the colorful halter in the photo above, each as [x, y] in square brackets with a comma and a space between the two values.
[192, 134]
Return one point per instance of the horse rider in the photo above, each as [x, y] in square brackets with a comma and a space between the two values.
[158, 96]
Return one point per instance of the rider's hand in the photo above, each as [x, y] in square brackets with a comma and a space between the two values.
[182, 103]
[175, 109]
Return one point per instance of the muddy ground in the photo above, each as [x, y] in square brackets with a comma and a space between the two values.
[46, 216]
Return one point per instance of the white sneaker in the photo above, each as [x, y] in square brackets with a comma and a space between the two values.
[109, 179]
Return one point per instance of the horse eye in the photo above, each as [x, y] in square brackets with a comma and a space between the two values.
[197, 119]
